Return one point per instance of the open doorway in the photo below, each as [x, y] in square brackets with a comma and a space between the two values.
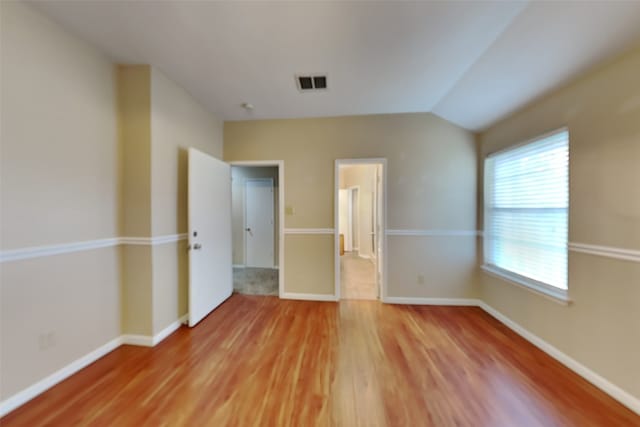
[360, 226]
[256, 192]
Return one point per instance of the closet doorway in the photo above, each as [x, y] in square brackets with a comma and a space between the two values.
[257, 234]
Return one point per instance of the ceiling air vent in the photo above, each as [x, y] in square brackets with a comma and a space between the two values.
[311, 83]
[320, 82]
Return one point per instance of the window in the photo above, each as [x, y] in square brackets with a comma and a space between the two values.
[526, 213]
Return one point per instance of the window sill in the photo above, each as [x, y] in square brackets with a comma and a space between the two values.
[558, 296]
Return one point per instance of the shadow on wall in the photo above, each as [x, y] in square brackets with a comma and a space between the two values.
[182, 254]
[182, 194]
[183, 277]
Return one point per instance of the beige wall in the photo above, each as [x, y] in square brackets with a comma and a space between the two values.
[431, 185]
[134, 125]
[309, 264]
[59, 184]
[170, 283]
[159, 121]
[239, 176]
[58, 132]
[88, 151]
[40, 296]
[178, 122]
[136, 290]
[601, 329]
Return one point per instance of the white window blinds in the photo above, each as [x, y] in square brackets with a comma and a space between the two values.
[526, 211]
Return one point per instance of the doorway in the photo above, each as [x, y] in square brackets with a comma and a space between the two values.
[256, 195]
[360, 203]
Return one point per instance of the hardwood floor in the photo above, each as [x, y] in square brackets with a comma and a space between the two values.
[357, 278]
[261, 361]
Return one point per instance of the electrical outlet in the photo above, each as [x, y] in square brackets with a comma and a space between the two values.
[420, 279]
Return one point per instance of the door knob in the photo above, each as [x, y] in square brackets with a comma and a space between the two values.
[197, 246]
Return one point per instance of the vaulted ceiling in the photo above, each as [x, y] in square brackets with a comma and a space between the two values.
[471, 63]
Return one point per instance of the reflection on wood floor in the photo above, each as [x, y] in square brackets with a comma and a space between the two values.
[261, 361]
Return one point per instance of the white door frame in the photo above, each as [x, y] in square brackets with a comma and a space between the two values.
[244, 216]
[336, 221]
[280, 165]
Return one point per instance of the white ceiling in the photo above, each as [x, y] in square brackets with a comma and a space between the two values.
[469, 62]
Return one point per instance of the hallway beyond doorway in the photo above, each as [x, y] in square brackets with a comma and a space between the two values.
[357, 278]
[257, 195]
[359, 237]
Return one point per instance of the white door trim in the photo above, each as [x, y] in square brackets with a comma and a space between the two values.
[280, 165]
[336, 220]
[244, 215]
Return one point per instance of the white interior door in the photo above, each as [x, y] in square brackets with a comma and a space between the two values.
[210, 264]
[259, 223]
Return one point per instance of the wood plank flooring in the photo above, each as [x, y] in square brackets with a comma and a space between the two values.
[261, 361]
[357, 278]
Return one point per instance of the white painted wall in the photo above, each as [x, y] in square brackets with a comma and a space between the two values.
[59, 169]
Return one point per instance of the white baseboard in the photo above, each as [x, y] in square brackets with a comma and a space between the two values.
[606, 386]
[46, 383]
[139, 340]
[431, 301]
[157, 338]
[41, 386]
[308, 297]
[151, 341]
[603, 384]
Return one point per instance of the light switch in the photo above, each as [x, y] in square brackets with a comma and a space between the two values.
[288, 210]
